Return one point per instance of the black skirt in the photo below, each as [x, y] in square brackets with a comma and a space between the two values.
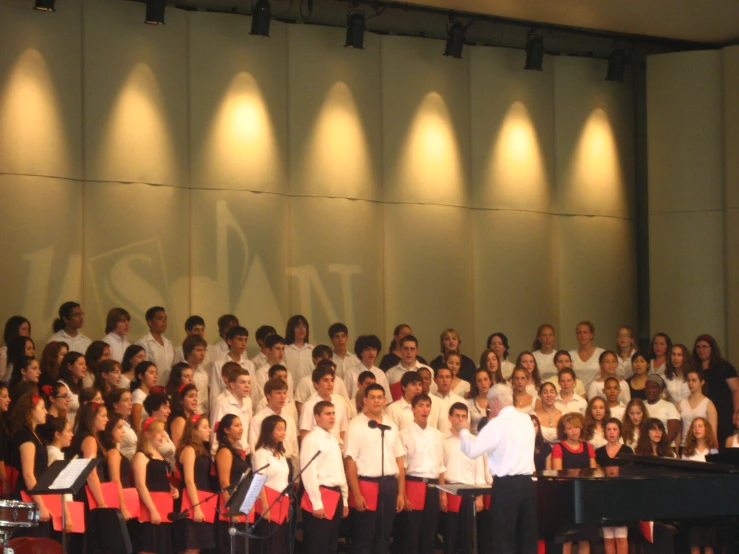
[189, 535]
[154, 538]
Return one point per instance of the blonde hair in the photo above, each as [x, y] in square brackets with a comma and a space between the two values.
[574, 419]
[154, 427]
[445, 334]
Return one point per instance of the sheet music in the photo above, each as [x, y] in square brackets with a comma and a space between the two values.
[253, 493]
[70, 474]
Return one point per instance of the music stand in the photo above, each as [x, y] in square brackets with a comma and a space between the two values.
[242, 501]
[64, 477]
[468, 494]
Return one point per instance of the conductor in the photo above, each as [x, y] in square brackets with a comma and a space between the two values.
[508, 441]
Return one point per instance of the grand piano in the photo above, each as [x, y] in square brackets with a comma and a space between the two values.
[640, 488]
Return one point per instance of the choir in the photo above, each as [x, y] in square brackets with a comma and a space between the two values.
[375, 441]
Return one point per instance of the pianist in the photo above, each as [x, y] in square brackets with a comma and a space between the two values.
[508, 441]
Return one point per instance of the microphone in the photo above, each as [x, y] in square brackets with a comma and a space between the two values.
[374, 425]
[232, 531]
[176, 516]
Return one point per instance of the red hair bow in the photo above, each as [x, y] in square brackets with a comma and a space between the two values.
[146, 424]
[48, 390]
[195, 418]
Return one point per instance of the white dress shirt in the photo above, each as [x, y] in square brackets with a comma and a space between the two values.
[289, 411]
[291, 436]
[395, 374]
[400, 413]
[424, 452]
[443, 404]
[458, 468]
[227, 403]
[351, 380]
[308, 422]
[326, 470]
[277, 472]
[259, 360]
[576, 404]
[161, 355]
[215, 378]
[624, 369]
[218, 350]
[508, 441]
[117, 345]
[80, 343]
[305, 390]
[299, 361]
[364, 446]
[589, 369]
[343, 365]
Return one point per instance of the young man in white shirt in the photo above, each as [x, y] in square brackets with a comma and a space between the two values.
[326, 471]
[323, 382]
[400, 412]
[367, 348]
[195, 350]
[424, 469]
[461, 470]
[408, 362]
[158, 348]
[219, 350]
[289, 409]
[67, 328]
[376, 475]
[235, 401]
[275, 392]
[261, 335]
[338, 333]
[236, 338]
[508, 440]
[117, 324]
[444, 397]
[275, 352]
[305, 389]
[194, 325]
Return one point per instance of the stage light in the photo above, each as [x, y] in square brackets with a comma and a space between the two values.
[616, 66]
[354, 30]
[534, 52]
[455, 40]
[154, 12]
[260, 18]
[44, 5]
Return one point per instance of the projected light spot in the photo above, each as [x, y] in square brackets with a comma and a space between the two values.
[137, 141]
[516, 168]
[430, 167]
[337, 160]
[596, 174]
[32, 137]
[241, 149]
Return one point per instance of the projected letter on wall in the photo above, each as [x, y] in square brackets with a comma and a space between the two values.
[241, 150]
[430, 168]
[32, 139]
[337, 160]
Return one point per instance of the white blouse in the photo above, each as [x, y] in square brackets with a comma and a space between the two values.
[677, 389]
[278, 470]
[586, 370]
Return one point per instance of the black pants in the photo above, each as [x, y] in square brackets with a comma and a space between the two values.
[458, 530]
[419, 534]
[372, 529]
[513, 515]
[320, 535]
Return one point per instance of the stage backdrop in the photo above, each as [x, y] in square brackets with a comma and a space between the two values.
[195, 166]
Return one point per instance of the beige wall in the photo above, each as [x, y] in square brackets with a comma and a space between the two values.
[198, 167]
[687, 201]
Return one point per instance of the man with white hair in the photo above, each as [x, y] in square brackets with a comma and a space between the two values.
[508, 441]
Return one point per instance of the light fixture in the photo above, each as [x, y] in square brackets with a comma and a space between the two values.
[616, 66]
[455, 39]
[534, 52]
[44, 5]
[260, 18]
[154, 12]
[354, 30]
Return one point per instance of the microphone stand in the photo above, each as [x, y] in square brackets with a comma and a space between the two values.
[286, 491]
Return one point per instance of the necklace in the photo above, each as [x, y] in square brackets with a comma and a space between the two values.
[549, 414]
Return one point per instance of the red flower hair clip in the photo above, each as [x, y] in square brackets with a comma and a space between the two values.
[48, 390]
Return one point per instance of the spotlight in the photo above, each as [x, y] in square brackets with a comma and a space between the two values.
[44, 5]
[534, 52]
[616, 66]
[354, 30]
[154, 12]
[260, 18]
[455, 40]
